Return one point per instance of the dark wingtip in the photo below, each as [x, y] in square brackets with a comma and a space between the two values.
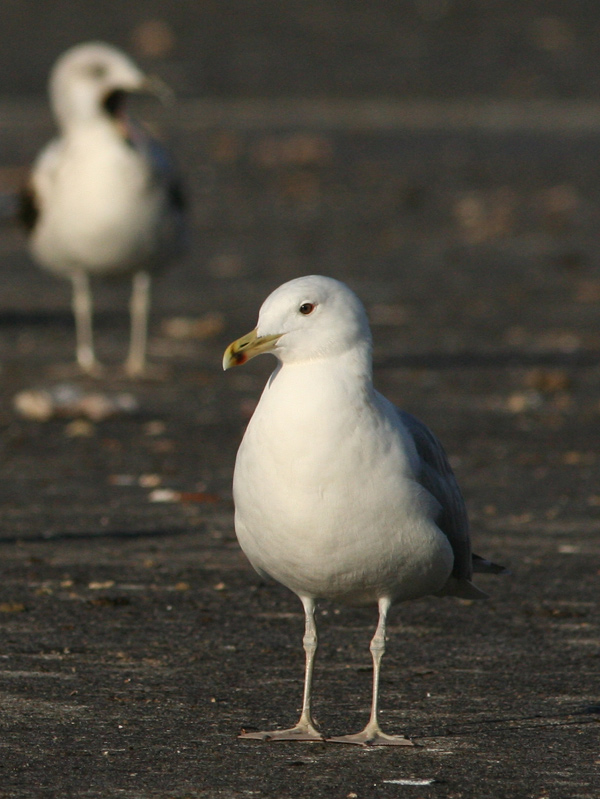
[483, 566]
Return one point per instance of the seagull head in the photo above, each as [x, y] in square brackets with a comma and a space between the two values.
[92, 80]
[306, 319]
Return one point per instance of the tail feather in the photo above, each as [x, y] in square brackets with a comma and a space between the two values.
[464, 589]
[483, 566]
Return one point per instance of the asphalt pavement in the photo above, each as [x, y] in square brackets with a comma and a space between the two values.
[135, 640]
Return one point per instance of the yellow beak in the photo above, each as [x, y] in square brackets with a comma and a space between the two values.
[246, 347]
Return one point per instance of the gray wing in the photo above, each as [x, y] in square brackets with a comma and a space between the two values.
[167, 176]
[438, 478]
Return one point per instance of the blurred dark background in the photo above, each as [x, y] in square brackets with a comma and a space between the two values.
[451, 141]
[408, 48]
[441, 156]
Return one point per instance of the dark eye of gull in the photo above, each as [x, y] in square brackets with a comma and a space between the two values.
[306, 308]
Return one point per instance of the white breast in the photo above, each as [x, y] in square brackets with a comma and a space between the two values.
[99, 206]
[326, 497]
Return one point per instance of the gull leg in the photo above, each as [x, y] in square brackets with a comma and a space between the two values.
[82, 310]
[372, 734]
[135, 364]
[305, 729]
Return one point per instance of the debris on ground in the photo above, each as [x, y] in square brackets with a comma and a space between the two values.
[67, 400]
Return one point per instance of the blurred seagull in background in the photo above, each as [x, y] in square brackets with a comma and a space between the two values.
[338, 494]
[102, 198]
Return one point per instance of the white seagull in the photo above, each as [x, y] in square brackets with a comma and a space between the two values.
[102, 198]
[338, 494]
